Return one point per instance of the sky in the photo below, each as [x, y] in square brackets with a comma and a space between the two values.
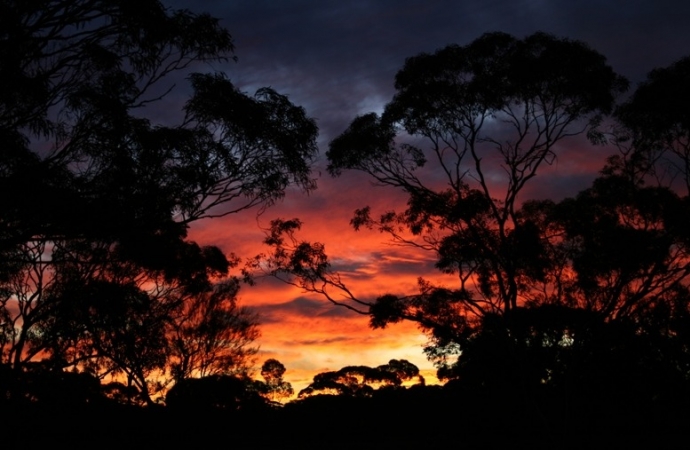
[338, 59]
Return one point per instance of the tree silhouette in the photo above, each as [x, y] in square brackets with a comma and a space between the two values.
[216, 392]
[657, 122]
[574, 310]
[274, 387]
[626, 244]
[106, 328]
[361, 381]
[212, 335]
[97, 272]
[467, 130]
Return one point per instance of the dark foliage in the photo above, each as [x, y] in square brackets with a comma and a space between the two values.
[362, 381]
[97, 273]
[218, 392]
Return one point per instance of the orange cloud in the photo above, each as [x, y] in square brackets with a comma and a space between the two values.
[305, 332]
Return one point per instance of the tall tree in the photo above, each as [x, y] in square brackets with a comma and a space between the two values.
[274, 387]
[469, 127]
[93, 193]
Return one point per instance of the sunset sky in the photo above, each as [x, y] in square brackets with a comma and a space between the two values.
[338, 59]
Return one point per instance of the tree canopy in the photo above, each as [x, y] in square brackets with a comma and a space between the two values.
[97, 197]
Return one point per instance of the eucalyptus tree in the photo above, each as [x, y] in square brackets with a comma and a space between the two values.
[95, 193]
[467, 130]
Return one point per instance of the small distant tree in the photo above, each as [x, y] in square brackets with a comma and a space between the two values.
[361, 381]
[274, 387]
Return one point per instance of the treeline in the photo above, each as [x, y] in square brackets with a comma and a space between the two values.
[466, 415]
